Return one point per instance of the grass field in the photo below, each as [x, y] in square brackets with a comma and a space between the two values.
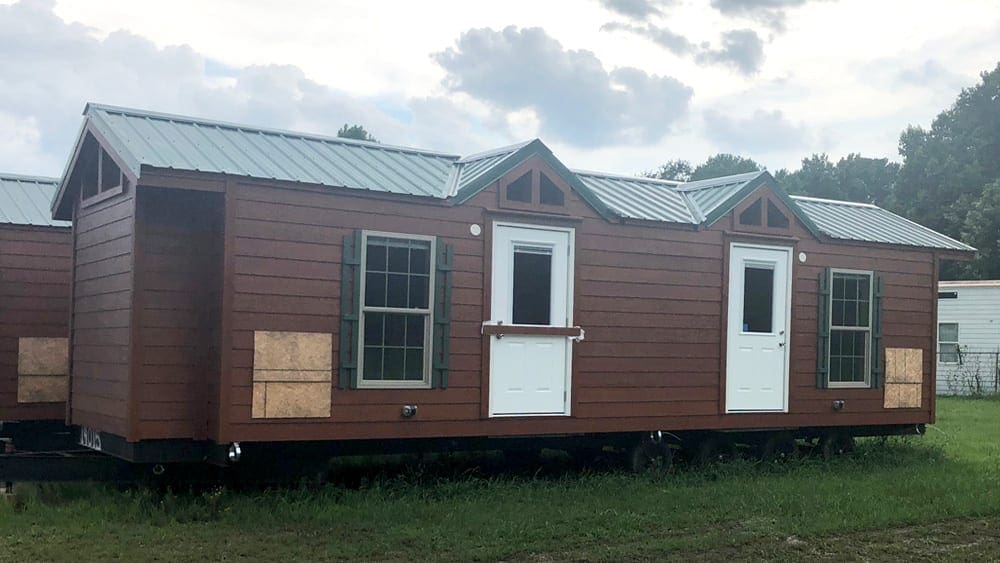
[935, 497]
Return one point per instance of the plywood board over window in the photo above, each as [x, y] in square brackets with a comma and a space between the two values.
[292, 374]
[42, 370]
[904, 375]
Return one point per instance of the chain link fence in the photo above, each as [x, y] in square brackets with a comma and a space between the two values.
[969, 372]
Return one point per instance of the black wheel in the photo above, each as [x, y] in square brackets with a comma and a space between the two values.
[836, 444]
[649, 457]
[716, 448]
[779, 446]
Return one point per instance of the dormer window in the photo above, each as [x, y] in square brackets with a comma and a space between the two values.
[97, 173]
[548, 193]
[752, 215]
[763, 214]
[520, 189]
[775, 218]
[533, 190]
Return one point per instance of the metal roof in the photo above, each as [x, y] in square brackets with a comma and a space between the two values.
[708, 195]
[24, 200]
[183, 143]
[144, 138]
[639, 198]
[469, 168]
[868, 223]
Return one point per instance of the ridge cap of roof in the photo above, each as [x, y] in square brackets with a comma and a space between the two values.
[838, 202]
[29, 178]
[134, 112]
[581, 172]
[494, 152]
[709, 183]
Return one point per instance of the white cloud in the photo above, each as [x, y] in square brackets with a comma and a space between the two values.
[575, 99]
[851, 73]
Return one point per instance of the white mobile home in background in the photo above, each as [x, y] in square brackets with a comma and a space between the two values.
[968, 337]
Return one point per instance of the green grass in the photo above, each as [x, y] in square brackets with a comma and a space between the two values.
[934, 497]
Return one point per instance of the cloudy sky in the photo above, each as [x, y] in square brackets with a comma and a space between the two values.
[615, 85]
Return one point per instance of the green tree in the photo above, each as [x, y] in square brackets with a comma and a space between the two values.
[853, 178]
[677, 169]
[947, 168]
[355, 132]
[724, 165]
[982, 230]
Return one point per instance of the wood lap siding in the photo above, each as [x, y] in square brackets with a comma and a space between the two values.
[35, 264]
[650, 297]
[102, 313]
[178, 311]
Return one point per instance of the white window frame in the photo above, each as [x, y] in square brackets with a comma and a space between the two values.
[958, 351]
[428, 313]
[867, 383]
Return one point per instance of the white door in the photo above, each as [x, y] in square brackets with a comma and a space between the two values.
[757, 335]
[532, 308]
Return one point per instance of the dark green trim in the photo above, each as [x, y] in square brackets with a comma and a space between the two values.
[350, 310]
[762, 179]
[876, 379]
[518, 157]
[823, 330]
[441, 340]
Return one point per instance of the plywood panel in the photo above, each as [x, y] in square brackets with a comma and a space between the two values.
[902, 395]
[299, 351]
[42, 388]
[291, 400]
[43, 356]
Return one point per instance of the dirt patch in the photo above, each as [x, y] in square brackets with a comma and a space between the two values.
[952, 540]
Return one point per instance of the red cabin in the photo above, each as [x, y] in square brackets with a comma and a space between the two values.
[237, 284]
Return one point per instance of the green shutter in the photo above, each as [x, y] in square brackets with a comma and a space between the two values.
[876, 329]
[350, 308]
[441, 341]
[823, 331]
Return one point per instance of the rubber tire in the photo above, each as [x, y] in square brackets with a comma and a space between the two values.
[647, 457]
[836, 444]
[713, 449]
[779, 446]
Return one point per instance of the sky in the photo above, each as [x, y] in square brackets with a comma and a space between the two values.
[613, 85]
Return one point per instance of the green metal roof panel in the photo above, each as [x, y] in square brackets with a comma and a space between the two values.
[639, 198]
[182, 143]
[24, 200]
[471, 167]
[708, 195]
[176, 142]
[869, 223]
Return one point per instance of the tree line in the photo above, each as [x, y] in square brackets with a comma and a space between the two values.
[948, 180]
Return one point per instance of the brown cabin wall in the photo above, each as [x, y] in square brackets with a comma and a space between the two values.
[178, 297]
[100, 349]
[653, 357]
[35, 274]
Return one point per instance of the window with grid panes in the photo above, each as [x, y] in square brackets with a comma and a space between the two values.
[396, 312]
[850, 328]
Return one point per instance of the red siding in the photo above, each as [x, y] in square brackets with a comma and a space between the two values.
[178, 296]
[654, 353]
[34, 301]
[102, 312]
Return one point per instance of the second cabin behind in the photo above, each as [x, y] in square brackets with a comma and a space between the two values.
[35, 281]
[262, 286]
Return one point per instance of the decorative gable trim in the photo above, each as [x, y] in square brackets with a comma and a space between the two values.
[767, 181]
[519, 157]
